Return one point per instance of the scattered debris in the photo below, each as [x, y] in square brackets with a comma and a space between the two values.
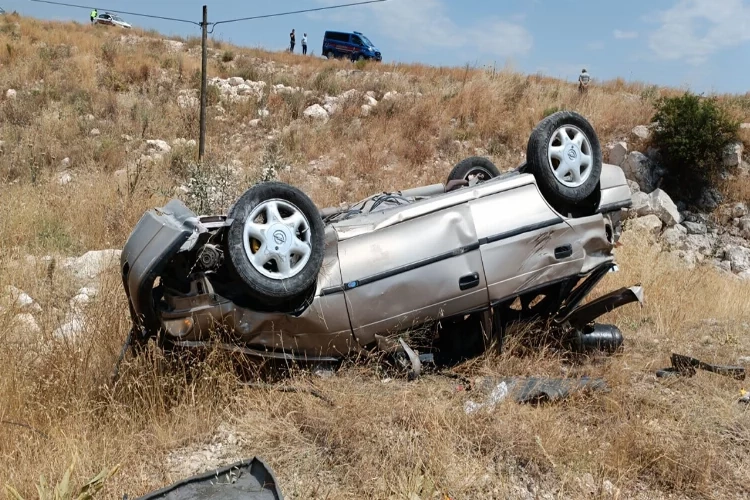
[686, 366]
[249, 479]
[533, 390]
[499, 392]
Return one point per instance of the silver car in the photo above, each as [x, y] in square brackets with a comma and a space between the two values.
[277, 277]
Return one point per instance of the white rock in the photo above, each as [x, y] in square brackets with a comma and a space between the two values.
[366, 109]
[20, 300]
[235, 81]
[158, 146]
[370, 93]
[65, 163]
[634, 187]
[2, 146]
[725, 265]
[664, 208]
[700, 244]
[389, 96]
[335, 181]
[641, 132]
[95, 132]
[263, 113]
[695, 227]
[72, 327]
[739, 210]
[88, 266]
[738, 257]
[191, 143]
[744, 275]
[331, 108]
[316, 112]
[11, 94]
[64, 178]
[650, 224]
[639, 168]
[673, 237]
[641, 203]
[657, 203]
[254, 122]
[26, 323]
[617, 153]
[371, 101]
[733, 154]
[188, 101]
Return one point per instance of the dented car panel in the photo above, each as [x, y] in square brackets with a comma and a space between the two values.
[439, 254]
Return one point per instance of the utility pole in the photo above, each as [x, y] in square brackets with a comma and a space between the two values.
[204, 84]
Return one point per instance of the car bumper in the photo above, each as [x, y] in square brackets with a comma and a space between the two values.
[158, 236]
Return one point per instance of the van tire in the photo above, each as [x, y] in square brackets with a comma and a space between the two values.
[329, 54]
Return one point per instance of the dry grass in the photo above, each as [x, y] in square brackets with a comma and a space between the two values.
[649, 438]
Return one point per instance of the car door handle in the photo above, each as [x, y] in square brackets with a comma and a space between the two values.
[563, 252]
[468, 281]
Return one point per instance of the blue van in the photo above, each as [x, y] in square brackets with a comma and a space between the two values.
[353, 45]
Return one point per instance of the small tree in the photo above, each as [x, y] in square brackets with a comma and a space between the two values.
[692, 133]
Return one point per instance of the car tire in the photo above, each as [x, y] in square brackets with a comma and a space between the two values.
[473, 166]
[566, 172]
[296, 230]
[329, 54]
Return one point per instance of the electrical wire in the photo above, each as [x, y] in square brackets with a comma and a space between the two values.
[297, 12]
[213, 25]
[119, 12]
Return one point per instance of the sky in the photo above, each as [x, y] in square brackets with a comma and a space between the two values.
[700, 45]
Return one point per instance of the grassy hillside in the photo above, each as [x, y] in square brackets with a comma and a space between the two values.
[76, 173]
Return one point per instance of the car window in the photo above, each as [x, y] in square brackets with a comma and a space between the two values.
[339, 37]
[356, 40]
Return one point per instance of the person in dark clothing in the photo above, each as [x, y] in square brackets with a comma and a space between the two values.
[291, 41]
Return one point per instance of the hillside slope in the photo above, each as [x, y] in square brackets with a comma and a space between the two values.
[99, 125]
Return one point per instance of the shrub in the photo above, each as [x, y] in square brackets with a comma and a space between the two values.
[692, 133]
[227, 56]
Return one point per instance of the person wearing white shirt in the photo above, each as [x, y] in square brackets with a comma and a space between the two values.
[304, 44]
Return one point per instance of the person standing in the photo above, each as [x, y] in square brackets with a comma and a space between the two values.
[93, 15]
[291, 41]
[304, 43]
[583, 81]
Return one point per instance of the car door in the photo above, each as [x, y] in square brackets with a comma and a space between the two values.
[524, 243]
[421, 269]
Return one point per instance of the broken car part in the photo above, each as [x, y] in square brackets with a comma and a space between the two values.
[535, 390]
[687, 366]
[246, 480]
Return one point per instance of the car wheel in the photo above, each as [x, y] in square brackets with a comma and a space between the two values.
[474, 167]
[275, 243]
[361, 58]
[329, 55]
[565, 157]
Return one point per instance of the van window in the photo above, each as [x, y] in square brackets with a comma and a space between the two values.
[357, 40]
[338, 37]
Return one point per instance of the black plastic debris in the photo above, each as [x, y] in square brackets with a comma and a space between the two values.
[537, 390]
[686, 366]
[246, 480]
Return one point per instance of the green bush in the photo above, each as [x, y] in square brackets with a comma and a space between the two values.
[691, 133]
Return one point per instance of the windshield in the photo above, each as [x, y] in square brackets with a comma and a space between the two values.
[366, 41]
[118, 18]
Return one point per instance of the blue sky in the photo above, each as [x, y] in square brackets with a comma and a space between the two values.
[698, 44]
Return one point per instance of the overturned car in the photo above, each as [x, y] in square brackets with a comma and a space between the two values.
[277, 277]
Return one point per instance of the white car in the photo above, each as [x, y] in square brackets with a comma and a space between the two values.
[111, 20]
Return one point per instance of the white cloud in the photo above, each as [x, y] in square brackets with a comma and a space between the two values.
[425, 25]
[693, 30]
[623, 35]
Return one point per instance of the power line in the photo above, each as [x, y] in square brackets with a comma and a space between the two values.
[226, 21]
[296, 12]
[118, 11]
